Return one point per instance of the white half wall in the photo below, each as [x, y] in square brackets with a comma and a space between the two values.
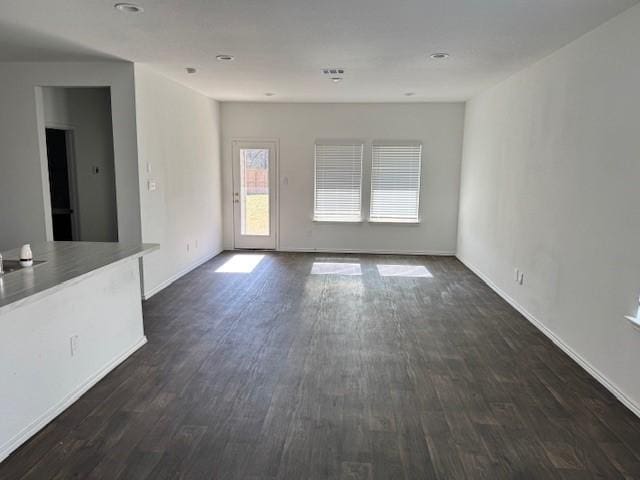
[550, 178]
[87, 111]
[179, 151]
[25, 210]
[40, 376]
[439, 126]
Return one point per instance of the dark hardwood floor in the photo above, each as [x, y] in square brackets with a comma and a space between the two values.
[279, 373]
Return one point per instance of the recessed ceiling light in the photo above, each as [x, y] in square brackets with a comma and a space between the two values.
[409, 94]
[336, 79]
[225, 58]
[129, 7]
[269, 94]
[191, 70]
[439, 56]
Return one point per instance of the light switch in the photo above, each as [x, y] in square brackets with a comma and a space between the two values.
[74, 341]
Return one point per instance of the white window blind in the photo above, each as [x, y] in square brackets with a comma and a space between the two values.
[395, 182]
[338, 182]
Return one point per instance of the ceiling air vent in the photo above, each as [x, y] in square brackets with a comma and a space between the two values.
[333, 72]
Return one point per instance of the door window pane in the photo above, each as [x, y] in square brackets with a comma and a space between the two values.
[254, 191]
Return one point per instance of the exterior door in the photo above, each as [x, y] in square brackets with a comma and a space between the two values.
[254, 194]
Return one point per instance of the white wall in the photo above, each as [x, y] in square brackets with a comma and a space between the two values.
[39, 377]
[25, 210]
[88, 112]
[179, 138]
[297, 126]
[550, 181]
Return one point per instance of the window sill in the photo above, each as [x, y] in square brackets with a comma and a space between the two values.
[335, 220]
[395, 221]
[634, 320]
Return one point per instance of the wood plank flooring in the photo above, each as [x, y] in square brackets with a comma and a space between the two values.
[281, 374]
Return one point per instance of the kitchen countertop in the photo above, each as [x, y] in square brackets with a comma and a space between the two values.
[65, 263]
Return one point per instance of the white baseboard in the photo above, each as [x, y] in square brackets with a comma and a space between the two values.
[66, 402]
[372, 252]
[579, 359]
[152, 291]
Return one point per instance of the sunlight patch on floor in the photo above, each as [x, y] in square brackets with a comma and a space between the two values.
[419, 271]
[331, 268]
[241, 263]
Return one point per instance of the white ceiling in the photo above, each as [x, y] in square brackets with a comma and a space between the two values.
[281, 45]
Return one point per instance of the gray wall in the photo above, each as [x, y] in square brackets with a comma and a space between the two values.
[87, 111]
[297, 126]
[25, 210]
[179, 150]
[550, 181]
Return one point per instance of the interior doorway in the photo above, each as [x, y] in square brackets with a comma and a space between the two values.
[81, 164]
[62, 184]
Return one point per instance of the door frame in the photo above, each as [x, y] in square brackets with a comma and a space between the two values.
[69, 136]
[275, 144]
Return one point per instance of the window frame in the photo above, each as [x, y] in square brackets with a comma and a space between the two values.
[337, 143]
[391, 220]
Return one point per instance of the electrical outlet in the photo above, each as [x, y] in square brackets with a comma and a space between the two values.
[74, 342]
[151, 185]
